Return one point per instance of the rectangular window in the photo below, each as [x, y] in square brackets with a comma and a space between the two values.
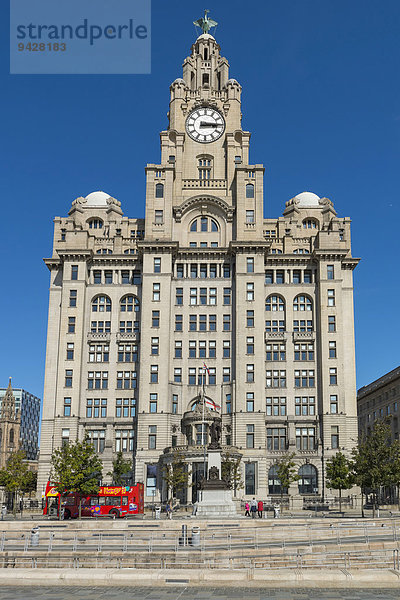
[67, 407]
[226, 323]
[331, 324]
[98, 439]
[228, 402]
[136, 278]
[249, 437]
[192, 349]
[213, 270]
[227, 296]
[250, 265]
[280, 277]
[108, 277]
[178, 349]
[71, 324]
[178, 375]
[226, 271]
[212, 376]
[276, 379]
[296, 276]
[179, 271]
[330, 272]
[275, 406]
[212, 322]
[192, 376]
[100, 326]
[68, 378]
[250, 291]
[305, 438]
[331, 297]
[307, 277]
[125, 407]
[249, 373]
[193, 271]
[333, 376]
[74, 272]
[212, 349]
[300, 325]
[193, 296]
[178, 322]
[304, 378]
[157, 265]
[276, 438]
[126, 352]
[124, 440]
[153, 373]
[203, 270]
[226, 374]
[332, 349]
[250, 318]
[97, 277]
[174, 404]
[250, 477]
[156, 292]
[202, 349]
[334, 437]
[250, 345]
[250, 216]
[203, 296]
[250, 402]
[155, 346]
[269, 276]
[72, 297]
[179, 296]
[333, 404]
[226, 349]
[65, 437]
[70, 351]
[155, 318]
[303, 352]
[98, 380]
[153, 403]
[202, 322]
[304, 406]
[212, 297]
[126, 380]
[275, 352]
[125, 277]
[159, 217]
[152, 437]
[192, 323]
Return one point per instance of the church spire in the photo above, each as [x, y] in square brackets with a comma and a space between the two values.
[8, 404]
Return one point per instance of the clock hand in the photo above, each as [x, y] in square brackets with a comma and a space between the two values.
[205, 124]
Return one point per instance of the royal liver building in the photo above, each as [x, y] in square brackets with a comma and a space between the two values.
[203, 298]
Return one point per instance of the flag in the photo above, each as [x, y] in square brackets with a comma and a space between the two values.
[205, 368]
[212, 405]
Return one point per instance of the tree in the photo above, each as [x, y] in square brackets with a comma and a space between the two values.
[121, 468]
[339, 474]
[176, 473]
[230, 470]
[76, 468]
[16, 477]
[286, 471]
[376, 460]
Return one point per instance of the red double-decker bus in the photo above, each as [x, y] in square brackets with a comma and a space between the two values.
[113, 501]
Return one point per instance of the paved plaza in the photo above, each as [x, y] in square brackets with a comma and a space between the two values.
[185, 593]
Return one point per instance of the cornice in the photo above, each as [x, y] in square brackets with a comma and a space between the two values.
[203, 200]
[241, 247]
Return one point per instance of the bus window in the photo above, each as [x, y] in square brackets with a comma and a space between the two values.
[94, 500]
[102, 500]
[68, 500]
[125, 501]
[113, 500]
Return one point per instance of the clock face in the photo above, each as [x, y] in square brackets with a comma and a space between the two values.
[205, 125]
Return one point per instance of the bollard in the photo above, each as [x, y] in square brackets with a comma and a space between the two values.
[35, 537]
[195, 536]
[158, 512]
[183, 539]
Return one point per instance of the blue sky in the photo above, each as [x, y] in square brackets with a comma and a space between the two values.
[320, 96]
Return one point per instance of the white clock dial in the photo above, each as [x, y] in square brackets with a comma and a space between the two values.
[205, 125]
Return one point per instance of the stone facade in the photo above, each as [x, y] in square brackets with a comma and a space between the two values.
[137, 307]
[10, 424]
[378, 400]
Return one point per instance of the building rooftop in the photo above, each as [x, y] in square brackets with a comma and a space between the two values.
[387, 378]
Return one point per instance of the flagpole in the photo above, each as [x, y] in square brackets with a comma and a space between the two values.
[203, 425]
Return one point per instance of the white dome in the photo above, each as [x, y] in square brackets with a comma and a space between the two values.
[307, 200]
[232, 80]
[179, 80]
[97, 199]
[205, 36]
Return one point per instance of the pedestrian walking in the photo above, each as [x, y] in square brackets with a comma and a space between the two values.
[168, 509]
[247, 509]
[260, 508]
[253, 508]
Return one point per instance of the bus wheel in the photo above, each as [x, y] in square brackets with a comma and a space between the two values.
[67, 515]
[114, 513]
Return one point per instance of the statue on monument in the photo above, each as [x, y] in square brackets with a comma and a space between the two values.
[215, 431]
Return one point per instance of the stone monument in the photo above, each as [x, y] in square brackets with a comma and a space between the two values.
[215, 498]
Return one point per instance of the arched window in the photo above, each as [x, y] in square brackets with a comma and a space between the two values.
[206, 79]
[129, 304]
[193, 226]
[11, 436]
[95, 224]
[204, 224]
[301, 251]
[101, 304]
[274, 485]
[310, 224]
[214, 226]
[159, 190]
[130, 251]
[308, 482]
[250, 190]
[104, 251]
[302, 303]
[275, 304]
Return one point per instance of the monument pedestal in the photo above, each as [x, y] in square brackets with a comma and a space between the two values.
[215, 497]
